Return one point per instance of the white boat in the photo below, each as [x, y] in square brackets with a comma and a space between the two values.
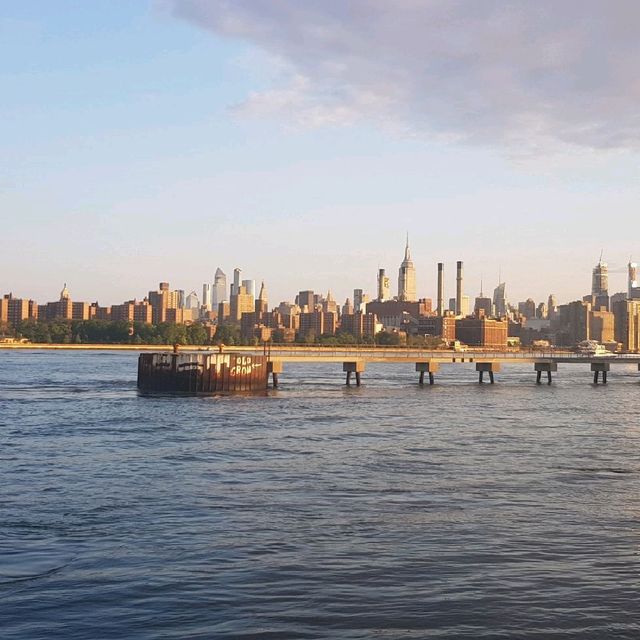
[592, 348]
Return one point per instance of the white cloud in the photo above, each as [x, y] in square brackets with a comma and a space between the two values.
[517, 73]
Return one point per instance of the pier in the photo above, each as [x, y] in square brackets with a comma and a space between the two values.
[248, 369]
[355, 359]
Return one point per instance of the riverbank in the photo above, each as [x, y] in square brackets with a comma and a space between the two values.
[102, 347]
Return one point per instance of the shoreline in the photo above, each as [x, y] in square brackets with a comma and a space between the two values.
[101, 347]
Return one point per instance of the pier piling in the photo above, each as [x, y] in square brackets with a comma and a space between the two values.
[353, 367]
[274, 367]
[600, 367]
[490, 368]
[548, 367]
[429, 367]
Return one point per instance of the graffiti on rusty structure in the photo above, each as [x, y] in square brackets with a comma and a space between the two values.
[244, 365]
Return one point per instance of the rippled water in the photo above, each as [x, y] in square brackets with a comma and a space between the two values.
[388, 511]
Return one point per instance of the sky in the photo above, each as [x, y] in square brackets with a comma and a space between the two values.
[155, 140]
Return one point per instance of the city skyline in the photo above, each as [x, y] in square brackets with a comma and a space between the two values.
[158, 140]
[620, 279]
[221, 289]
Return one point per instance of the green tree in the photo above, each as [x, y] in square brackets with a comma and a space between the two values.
[197, 334]
[388, 339]
[227, 334]
[61, 331]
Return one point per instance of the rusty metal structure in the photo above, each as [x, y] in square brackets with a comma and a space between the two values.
[202, 373]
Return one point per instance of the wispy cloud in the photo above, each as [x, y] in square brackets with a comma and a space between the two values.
[515, 73]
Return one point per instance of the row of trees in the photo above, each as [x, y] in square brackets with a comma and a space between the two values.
[111, 332]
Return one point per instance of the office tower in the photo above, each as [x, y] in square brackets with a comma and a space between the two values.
[235, 287]
[452, 305]
[241, 302]
[306, 299]
[484, 305]
[219, 293]
[206, 295]
[357, 299]
[347, 308]
[542, 312]
[250, 286]
[500, 300]
[552, 306]
[600, 284]
[192, 301]
[459, 288]
[465, 306]
[440, 309]
[406, 277]
[627, 324]
[384, 286]
[329, 305]
[527, 308]
[262, 303]
[633, 281]
[179, 293]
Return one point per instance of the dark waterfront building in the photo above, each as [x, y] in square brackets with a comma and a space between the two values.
[438, 326]
[482, 332]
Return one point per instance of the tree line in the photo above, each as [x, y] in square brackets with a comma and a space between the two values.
[123, 332]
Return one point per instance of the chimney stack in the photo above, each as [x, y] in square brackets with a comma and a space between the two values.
[459, 288]
[440, 289]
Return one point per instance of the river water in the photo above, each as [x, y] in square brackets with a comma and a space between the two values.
[387, 511]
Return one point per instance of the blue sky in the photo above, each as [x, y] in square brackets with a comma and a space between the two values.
[148, 141]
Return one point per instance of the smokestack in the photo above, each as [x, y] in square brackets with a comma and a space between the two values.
[459, 288]
[440, 288]
[381, 285]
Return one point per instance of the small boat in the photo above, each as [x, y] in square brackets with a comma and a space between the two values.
[592, 348]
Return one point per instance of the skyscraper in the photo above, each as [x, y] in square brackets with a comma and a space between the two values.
[192, 301]
[440, 309]
[500, 300]
[600, 284]
[483, 304]
[206, 295]
[250, 286]
[633, 280]
[552, 306]
[384, 286]
[235, 287]
[306, 299]
[357, 299]
[407, 277]
[459, 288]
[262, 302]
[219, 293]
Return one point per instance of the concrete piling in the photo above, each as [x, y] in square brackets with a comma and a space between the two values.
[274, 367]
[598, 368]
[548, 367]
[356, 367]
[489, 367]
[427, 367]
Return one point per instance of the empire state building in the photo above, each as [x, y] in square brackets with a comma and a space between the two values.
[407, 278]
